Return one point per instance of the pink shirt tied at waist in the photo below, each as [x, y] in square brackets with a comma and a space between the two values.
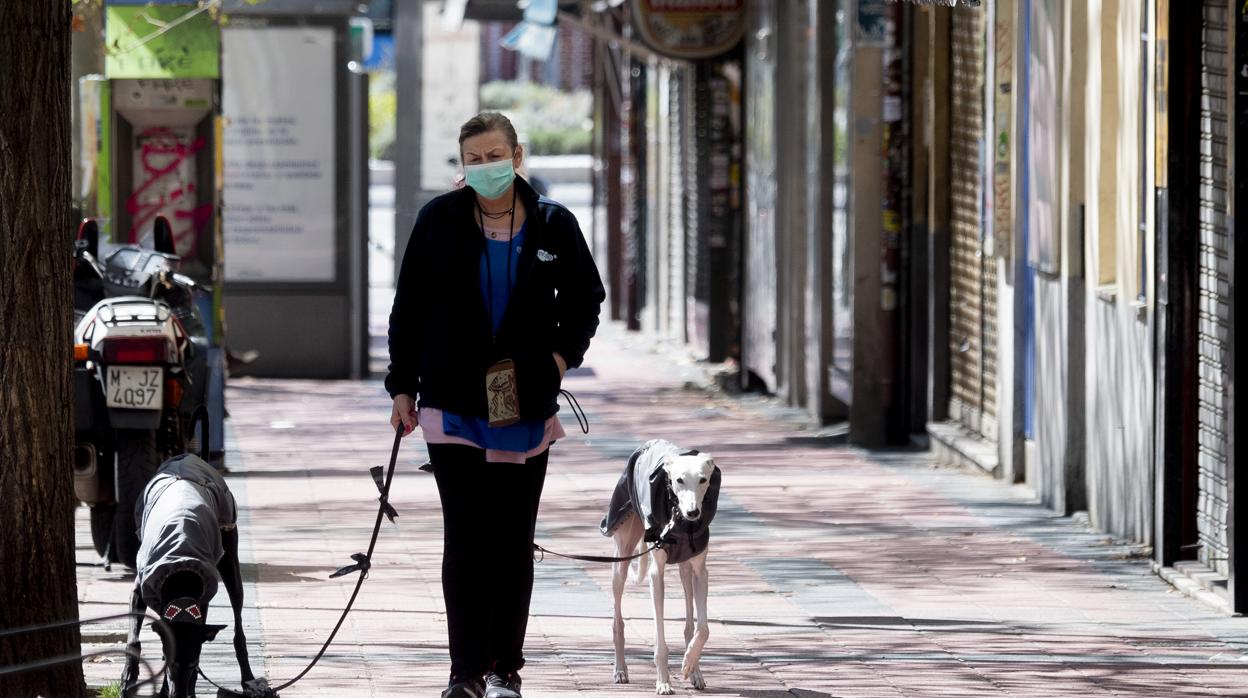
[430, 419]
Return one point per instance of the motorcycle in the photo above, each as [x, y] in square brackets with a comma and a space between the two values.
[141, 374]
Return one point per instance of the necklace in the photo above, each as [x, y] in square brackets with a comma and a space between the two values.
[495, 216]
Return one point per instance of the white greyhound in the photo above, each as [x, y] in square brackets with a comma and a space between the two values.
[668, 495]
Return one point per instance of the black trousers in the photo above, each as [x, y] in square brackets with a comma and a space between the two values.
[489, 511]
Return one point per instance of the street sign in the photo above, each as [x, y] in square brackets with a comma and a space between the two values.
[690, 28]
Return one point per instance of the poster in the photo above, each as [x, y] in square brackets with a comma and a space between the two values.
[1044, 83]
[1003, 126]
[873, 23]
[279, 198]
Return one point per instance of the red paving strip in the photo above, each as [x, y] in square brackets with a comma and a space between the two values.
[833, 571]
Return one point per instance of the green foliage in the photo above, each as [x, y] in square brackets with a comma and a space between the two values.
[550, 121]
[112, 690]
[382, 107]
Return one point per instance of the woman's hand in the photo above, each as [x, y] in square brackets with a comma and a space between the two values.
[404, 412]
[563, 365]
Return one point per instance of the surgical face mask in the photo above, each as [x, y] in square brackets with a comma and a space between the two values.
[490, 179]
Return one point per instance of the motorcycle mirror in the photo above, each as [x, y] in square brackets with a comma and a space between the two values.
[162, 234]
[89, 236]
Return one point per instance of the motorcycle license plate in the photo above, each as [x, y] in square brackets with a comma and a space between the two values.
[135, 387]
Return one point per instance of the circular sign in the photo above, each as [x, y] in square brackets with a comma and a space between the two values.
[690, 28]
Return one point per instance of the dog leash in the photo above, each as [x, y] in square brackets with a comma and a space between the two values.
[158, 623]
[595, 558]
[575, 406]
[671, 523]
[259, 688]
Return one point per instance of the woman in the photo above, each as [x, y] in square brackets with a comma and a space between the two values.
[496, 298]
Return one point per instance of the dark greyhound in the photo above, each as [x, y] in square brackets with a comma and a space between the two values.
[188, 544]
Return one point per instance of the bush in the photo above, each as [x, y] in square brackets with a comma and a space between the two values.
[383, 103]
[550, 121]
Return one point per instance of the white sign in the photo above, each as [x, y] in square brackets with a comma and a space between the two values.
[450, 74]
[279, 194]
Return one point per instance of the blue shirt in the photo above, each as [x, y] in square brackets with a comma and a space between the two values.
[497, 279]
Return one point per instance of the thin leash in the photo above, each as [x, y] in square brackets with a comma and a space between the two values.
[582, 420]
[363, 561]
[152, 676]
[595, 558]
[575, 406]
[658, 544]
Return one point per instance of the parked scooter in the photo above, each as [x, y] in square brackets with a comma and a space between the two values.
[140, 372]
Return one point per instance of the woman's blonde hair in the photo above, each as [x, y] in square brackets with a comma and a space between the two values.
[488, 121]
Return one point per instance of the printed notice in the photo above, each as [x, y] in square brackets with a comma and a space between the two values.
[278, 200]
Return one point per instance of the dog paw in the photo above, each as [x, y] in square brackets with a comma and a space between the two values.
[696, 680]
[620, 675]
[663, 688]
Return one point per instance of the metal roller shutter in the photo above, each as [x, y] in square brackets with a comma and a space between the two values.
[973, 284]
[1214, 283]
[674, 324]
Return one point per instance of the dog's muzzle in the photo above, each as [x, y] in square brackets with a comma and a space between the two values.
[185, 616]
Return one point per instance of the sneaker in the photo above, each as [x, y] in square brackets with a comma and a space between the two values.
[502, 685]
[470, 688]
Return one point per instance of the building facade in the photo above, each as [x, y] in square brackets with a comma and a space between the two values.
[1005, 230]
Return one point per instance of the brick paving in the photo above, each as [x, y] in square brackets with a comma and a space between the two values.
[834, 571]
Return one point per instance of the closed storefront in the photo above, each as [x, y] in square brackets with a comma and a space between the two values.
[973, 283]
[1214, 283]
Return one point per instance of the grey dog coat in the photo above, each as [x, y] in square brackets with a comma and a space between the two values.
[185, 507]
[643, 490]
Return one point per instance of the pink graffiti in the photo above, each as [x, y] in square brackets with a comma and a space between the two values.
[161, 154]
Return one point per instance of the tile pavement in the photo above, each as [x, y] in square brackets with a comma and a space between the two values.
[834, 571]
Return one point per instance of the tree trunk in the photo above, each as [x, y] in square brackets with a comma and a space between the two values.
[36, 414]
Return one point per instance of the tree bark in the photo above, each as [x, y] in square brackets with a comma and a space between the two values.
[39, 583]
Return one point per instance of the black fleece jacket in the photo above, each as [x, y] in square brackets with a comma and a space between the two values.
[441, 348]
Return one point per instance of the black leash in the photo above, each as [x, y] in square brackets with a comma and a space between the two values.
[575, 406]
[158, 623]
[363, 561]
[605, 558]
[595, 558]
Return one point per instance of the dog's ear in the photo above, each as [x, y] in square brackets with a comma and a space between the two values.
[661, 471]
[210, 632]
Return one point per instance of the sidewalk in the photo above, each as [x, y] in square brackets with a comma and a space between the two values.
[833, 571]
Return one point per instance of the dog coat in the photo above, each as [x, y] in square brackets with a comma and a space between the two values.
[643, 490]
[185, 506]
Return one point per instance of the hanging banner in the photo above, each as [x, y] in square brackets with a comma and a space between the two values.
[279, 172]
[690, 28]
[161, 41]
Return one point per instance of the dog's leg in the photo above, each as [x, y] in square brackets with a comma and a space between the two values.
[686, 582]
[232, 577]
[663, 684]
[626, 538]
[693, 650]
[130, 673]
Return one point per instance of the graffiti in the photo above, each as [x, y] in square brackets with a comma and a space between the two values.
[164, 185]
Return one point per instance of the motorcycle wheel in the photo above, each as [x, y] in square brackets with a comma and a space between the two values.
[137, 461]
[102, 516]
